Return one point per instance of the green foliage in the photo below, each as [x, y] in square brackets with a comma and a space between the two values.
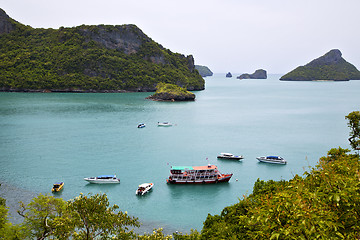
[69, 59]
[322, 205]
[47, 216]
[354, 125]
[340, 71]
[94, 219]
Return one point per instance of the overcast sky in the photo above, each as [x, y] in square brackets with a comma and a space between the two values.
[226, 35]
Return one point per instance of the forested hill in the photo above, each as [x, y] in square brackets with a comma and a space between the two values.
[88, 58]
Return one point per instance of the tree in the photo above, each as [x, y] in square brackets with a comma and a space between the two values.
[47, 216]
[354, 125]
[95, 219]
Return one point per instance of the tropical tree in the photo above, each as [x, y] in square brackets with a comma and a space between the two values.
[47, 216]
[354, 125]
[94, 219]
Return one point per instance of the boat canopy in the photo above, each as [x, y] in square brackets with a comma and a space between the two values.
[274, 157]
[58, 183]
[182, 168]
[106, 176]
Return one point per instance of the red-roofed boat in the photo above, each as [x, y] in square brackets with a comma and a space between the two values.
[197, 175]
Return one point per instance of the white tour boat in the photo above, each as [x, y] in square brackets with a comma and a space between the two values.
[164, 124]
[272, 159]
[229, 156]
[144, 188]
[102, 179]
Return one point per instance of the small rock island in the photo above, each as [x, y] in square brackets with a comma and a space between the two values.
[171, 92]
[329, 67]
[258, 74]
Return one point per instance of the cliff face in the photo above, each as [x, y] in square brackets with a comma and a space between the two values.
[258, 74]
[88, 58]
[330, 66]
[6, 26]
[125, 38]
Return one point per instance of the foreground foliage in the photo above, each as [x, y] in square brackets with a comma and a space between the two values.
[324, 204]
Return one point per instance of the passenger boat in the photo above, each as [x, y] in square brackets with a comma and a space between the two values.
[272, 159]
[103, 179]
[144, 188]
[197, 175]
[229, 156]
[164, 124]
[141, 125]
[57, 187]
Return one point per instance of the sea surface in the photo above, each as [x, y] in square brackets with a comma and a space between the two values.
[49, 137]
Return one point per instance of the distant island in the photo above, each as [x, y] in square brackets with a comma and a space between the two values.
[171, 92]
[229, 75]
[331, 67]
[204, 71]
[258, 74]
[103, 58]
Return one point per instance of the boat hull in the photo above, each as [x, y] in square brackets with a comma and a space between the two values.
[224, 178]
[231, 158]
[282, 162]
[100, 181]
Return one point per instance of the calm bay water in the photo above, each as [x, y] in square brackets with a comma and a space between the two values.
[48, 137]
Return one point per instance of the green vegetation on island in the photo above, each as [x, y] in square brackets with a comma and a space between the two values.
[171, 92]
[88, 58]
[323, 204]
[331, 66]
[204, 71]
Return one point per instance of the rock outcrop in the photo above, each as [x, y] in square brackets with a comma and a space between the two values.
[229, 75]
[330, 66]
[171, 92]
[6, 26]
[258, 74]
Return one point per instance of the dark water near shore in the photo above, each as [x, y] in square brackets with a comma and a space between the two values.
[48, 137]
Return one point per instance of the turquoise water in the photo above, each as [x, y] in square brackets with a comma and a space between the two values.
[48, 137]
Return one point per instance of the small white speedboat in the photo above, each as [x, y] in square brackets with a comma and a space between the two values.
[272, 159]
[164, 124]
[103, 179]
[144, 188]
[229, 156]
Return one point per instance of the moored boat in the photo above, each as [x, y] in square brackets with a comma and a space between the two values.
[57, 187]
[272, 159]
[103, 179]
[229, 156]
[141, 125]
[164, 124]
[144, 188]
[197, 175]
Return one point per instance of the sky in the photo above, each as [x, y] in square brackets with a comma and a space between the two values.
[237, 36]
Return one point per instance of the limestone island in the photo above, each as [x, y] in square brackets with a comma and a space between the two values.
[171, 92]
[229, 75]
[258, 74]
[203, 71]
[88, 58]
[330, 67]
